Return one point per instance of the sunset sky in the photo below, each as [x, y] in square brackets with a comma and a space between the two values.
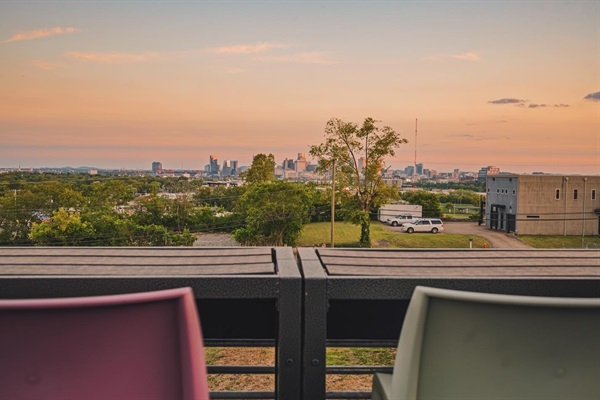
[122, 84]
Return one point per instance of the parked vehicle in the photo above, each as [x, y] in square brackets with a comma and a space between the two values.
[433, 225]
[399, 219]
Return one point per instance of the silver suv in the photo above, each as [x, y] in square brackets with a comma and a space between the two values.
[399, 219]
[433, 225]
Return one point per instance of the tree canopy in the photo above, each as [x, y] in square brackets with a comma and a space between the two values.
[261, 170]
[274, 213]
[428, 200]
[358, 153]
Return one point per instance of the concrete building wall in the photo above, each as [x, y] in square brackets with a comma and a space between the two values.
[546, 204]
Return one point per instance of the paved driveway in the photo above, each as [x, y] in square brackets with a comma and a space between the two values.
[498, 239]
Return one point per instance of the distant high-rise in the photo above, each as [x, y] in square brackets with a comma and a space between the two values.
[300, 163]
[361, 164]
[288, 164]
[226, 171]
[157, 167]
[485, 171]
[214, 165]
[409, 170]
[420, 169]
[234, 167]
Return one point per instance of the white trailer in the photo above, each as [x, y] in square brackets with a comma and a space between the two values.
[391, 210]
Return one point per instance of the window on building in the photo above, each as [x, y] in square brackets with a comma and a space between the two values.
[593, 194]
[514, 191]
[557, 194]
[489, 190]
[574, 194]
[497, 190]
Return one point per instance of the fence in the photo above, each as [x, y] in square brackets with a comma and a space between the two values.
[253, 297]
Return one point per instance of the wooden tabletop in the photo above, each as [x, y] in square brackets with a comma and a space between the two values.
[461, 263]
[132, 261]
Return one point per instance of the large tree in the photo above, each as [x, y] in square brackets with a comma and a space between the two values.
[346, 143]
[274, 213]
[262, 169]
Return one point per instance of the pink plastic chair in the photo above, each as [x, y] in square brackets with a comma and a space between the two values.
[145, 346]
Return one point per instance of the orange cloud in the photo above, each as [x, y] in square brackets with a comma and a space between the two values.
[40, 33]
[115, 58]
[300, 58]
[246, 48]
[47, 65]
[234, 70]
[469, 56]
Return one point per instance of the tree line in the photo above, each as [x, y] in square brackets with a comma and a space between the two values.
[84, 210]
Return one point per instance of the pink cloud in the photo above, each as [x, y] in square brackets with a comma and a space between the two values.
[40, 33]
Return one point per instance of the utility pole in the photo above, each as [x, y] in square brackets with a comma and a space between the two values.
[332, 202]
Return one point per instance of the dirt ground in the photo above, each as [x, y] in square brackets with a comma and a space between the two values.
[215, 240]
[266, 356]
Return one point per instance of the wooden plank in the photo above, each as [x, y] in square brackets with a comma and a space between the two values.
[465, 272]
[139, 260]
[134, 251]
[158, 270]
[456, 262]
[451, 253]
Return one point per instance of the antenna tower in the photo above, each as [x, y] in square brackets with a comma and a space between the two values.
[415, 166]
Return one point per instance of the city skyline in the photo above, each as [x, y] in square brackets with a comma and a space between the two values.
[119, 85]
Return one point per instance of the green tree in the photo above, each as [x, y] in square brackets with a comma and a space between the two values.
[428, 200]
[64, 229]
[345, 144]
[274, 213]
[261, 170]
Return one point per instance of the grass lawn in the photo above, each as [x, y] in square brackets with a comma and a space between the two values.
[347, 235]
[561, 242]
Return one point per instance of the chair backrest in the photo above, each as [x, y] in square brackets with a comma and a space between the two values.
[132, 346]
[461, 345]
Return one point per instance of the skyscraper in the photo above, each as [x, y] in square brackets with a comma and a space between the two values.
[361, 164]
[288, 164]
[234, 167]
[157, 167]
[485, 171]
[301, 162]
[214, 165]
[226, 171]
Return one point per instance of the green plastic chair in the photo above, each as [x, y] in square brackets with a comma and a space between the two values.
[476, 346]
